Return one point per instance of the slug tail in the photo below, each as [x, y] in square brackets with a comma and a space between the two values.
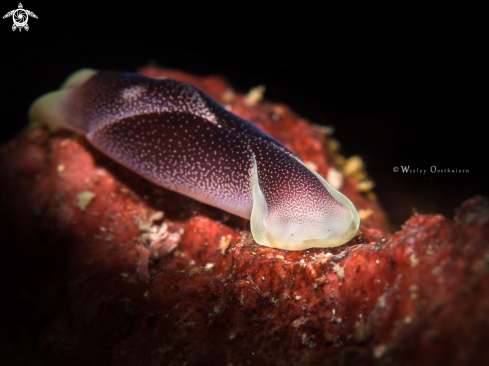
[48, 110]
[78, 78]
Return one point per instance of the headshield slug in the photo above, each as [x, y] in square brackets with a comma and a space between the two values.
[178, 137]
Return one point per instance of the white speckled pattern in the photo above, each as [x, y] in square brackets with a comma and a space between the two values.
[178, 137]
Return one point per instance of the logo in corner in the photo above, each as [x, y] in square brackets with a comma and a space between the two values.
[20, 17]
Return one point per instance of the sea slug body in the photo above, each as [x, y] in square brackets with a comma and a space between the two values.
[178, 137]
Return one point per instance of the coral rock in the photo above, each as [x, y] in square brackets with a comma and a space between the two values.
[107, 268]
